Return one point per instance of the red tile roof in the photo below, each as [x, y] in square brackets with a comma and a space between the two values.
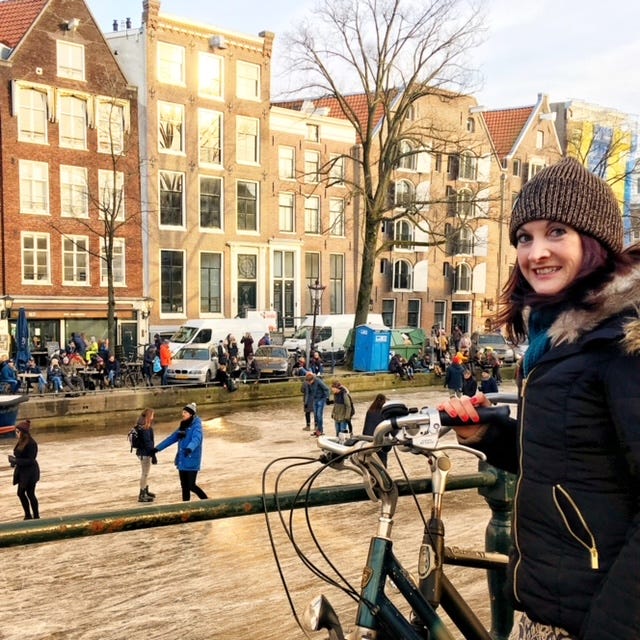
[16, 16]
[505, 125]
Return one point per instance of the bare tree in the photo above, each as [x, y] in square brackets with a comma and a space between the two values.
[393, 54]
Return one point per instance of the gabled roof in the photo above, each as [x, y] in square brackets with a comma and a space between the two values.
[16, 17]
[505, 127]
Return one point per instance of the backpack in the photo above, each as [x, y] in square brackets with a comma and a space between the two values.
[353, 407]
[135, 437]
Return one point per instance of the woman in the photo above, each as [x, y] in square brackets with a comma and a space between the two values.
[26, 470]
[576, 448]
[145, 453]
[189, 437]
[342, 407]
[372, 419]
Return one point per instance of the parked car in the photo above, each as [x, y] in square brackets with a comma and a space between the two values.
[497, 342]
[521, 348]
[193, 364]
[274, 361]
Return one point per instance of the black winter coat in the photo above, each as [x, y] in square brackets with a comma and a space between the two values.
[27, 471]
[576, 558]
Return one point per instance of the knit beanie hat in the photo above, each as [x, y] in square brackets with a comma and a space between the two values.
[24, 426]
[567, 192]
[191, 408]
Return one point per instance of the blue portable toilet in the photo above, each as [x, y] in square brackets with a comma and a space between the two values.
[372, 346]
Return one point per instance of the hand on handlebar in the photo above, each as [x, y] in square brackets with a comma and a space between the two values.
[463, 409]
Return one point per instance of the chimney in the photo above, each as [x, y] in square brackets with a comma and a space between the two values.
[115, 25]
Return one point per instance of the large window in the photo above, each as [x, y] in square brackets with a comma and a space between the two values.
[74, 198]
[247, 80]
[402, 275]
[403, 233]
[210, 75]
[75, 260]
[311, 166]
[70, 60]
[247, 266]
[111, 127]
[336, 171]
[404, 193]
[34, 187]
[211, 283]
[312, 221]
[32, 115]
[407, 158]
[247, 140]
[210, 136]
[462, 278]
[286, 163]
[286, 211]
[465, 206]
[171, 67]
[336, 217]
[247, 205]
[413, 312]
[170, 127]
[312, 275]
[336, 283]
[171, 282]
[210, 202]
[468, 166]
[72, 113]
[111, 196]
[117, 263]
[36, 266]
[171, 199]
[283, 281]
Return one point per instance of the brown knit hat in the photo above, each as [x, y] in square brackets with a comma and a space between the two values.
[567, 192]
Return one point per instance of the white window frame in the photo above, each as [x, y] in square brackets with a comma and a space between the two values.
[539, 139]
[311, 167]
[247, 140]
[468, 167]
[408, 160]
[286, 211]
[403, 231]
[208, 122]
[210, 75]
[181, 178]
[256, 186]
[312, 215]
[337, 170]
[74, 195]
[118, 264]
[75, 261]
[171, 64]
[336, 217]
[70, 60]
[112, 123]
[171, 118]
[218, 284]
[286, 163]
[402, 270]
[219, 180]
[39, 257]
[111, 197]
[72, 121]
[462, 279]
[248, 80]
[404, 193]
[32, 115]
[34, 187]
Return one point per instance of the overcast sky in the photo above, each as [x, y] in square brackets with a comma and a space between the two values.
[569, 49]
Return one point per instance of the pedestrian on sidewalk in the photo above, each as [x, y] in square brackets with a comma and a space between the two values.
[26, 470]
[316, 394]
[145, 453]
[189, 436]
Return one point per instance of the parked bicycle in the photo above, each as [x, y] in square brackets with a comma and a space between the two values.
[378, 617]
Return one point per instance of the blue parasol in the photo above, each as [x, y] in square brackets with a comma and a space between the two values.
[22, 340]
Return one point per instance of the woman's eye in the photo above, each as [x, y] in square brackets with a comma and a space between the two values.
[522, 238]
[557, 231]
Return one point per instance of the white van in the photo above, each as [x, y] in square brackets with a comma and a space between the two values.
[331, 334]
[211, 331]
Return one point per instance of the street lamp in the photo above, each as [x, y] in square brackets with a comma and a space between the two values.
[316, 290]
[148, 305]
[7, 304]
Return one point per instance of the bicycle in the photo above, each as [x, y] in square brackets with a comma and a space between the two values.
[377, 616]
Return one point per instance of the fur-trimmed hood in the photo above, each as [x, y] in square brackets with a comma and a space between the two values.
[618, 297]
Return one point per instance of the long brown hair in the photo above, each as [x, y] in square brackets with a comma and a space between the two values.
[146, 418]
[24, 439]
[377, 403]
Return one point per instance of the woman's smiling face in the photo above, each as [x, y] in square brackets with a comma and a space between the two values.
[549, 255]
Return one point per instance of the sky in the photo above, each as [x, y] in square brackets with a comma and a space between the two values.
[568, 49]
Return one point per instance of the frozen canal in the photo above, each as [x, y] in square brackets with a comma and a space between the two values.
[207, 580]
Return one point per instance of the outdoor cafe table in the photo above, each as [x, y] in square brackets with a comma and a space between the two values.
[28, 379]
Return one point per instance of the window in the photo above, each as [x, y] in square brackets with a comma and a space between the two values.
[283, 284]
[35, 258]
[463, 241]
[465, 207]
[468, 166]
[210, 136]
[413, 313]
[32, 115]
[211, 283]
[312, 222]
[171, 199]
[404, 193]
[336, 171]
[117, 263]
[517, 167]
[286, 163]
[462, 279]
[471, 125]
[111, 127]
[407, 158]
[311, 166]
[111, 196]
[539, 139]
[336, 283]
[440, 314]
[336, 217]
[34, 187]
[171, 63]
[171, 127]
[171, 281]
[286, 211]
[534, 168]
[313, 133]
[247, 140]
[210, 202]
[72, 113]
[402, 273]
[210, 75]
[70, 60]
[412, 112]
[247, 80]
[312, 275]
[403, 233]
[74, 199]
[247, 264]
[247, 205]
[438, 162]
[389, 312]
[75, 260]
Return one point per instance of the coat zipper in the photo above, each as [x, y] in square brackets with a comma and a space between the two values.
[591, 547]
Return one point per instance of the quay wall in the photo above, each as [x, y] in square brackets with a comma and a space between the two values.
[124, 405]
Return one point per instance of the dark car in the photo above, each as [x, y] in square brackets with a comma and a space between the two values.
[273, 361]
[495, 341]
